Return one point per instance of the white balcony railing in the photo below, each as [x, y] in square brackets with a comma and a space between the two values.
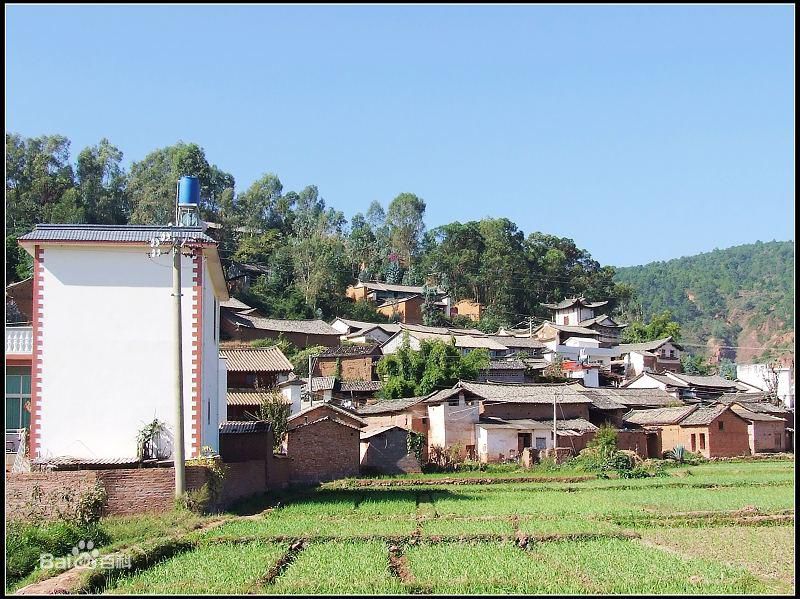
[19, 340]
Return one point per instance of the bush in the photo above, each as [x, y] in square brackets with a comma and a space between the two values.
[25, 542]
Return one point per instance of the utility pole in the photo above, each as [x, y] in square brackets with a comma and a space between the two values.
[178, 441]
[180, 471]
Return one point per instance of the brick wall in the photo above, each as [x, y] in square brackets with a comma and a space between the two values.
[767, 436]
[387, 453]
[633, 441]
[325, 450]
[20, 488]
[243, 447]
[353, 369]
[278, 471]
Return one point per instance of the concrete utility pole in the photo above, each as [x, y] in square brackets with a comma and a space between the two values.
[179, 449]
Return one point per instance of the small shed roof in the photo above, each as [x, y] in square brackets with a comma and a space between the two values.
[367, 434]
[351, 350]
[391, 405]
[255, 359]
[364, 386]
[742, 411]
[241, 427]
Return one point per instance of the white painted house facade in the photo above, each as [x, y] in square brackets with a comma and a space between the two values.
[103, 342]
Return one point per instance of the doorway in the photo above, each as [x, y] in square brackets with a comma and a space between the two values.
[523, 441]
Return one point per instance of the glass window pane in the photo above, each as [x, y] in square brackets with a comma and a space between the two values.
[12, 412]
[26, 416]
[12, 383]
[26, 384]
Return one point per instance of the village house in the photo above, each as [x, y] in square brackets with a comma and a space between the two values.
[357, 331]
[578, 311]
[760, 404]
[650, 356]
[527, 347]
[241, 276]
[467, 307]
[465, 339]
[503, 371]
[356, 393]
[252, 374]
[767, 433]
[684, 386]
[380, 293]
[611, 404]
[713, 431]
[97, 292]
[384, 450]
[243, 328]
[575, 343]
[777, 379]
[349, 362]
[407, 310]
[323, 442]
[409, 413]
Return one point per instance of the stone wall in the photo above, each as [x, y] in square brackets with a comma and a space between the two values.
[323, 450]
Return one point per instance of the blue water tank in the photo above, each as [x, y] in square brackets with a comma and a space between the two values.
[189, 191]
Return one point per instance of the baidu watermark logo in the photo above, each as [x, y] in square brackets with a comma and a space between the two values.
[84, 554]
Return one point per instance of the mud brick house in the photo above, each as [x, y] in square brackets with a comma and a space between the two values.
[383, 292]
[384, 450]
[407, 310]
[410, 413]
[242, 328]
[97, 293]
[499, 438]
[650, 356]
[714, 431]
[252, 373]
[767, 433]
[609, 405]
[323, 443]
[355, 362]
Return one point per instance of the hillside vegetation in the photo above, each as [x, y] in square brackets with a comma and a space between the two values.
[740, 296]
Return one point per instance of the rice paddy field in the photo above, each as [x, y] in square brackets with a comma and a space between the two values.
[724, 528]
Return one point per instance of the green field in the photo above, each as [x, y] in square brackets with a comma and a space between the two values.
[711, 529]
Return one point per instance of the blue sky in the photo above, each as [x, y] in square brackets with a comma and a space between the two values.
[643, 133]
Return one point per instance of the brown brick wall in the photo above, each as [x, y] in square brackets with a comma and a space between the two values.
[20, 488]
[353, 369]
[733, 440]
[768, 436]
[322, 451]
[634, 441]
[243, 447]
[535, 411]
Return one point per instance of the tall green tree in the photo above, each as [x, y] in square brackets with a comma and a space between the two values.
[406, 225]
[660, 326]
[102, 183]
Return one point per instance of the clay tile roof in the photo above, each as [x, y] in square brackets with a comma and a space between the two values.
[646, 345]
[389, 405]
[506, 365]
[569, 302]
[753, 416]
[369, 433]
[713, 380]
[239, 427]
[255, 359]
[527, 393]
[703, 416]
[235, 304]
[309, 327]
[245, 397]
[112, 233]
[350, 350]
[658, 416]
[346, 386]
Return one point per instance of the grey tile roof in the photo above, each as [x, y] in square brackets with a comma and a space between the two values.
[366, 386]
[714, 380]
[506, 365]
[323, 383]
[703, 416]
[112, 233]
[255, 359]
[389, 405]
[239, 427]
[658, 416]
[351, 350]
[598, 320]
[660, 378]
[755, 402]
[359, 325]
[569, 302]
[527, 393]
[754, 416]
[646, 346]
[627, 397]
[328, 406]
[309, 327]
[517, 342]
[411, 289]
[234, 304]
[569, 328]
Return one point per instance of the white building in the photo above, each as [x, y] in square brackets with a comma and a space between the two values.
[651, 356]
[103, 343]
[763, 377]
[464, 339]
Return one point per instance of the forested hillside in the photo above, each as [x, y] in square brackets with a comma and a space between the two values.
[741, 296]
[309, 250]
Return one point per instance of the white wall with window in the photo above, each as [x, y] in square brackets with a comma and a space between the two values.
[18, 396]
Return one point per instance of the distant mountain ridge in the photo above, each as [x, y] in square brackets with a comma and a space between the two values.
[740, 296]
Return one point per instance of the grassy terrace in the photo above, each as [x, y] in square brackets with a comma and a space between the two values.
[709, 529]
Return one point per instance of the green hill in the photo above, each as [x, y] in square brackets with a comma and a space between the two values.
[740, 296]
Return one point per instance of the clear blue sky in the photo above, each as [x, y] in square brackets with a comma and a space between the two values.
[643, 133]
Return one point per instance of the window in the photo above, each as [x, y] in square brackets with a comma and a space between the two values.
[672, 353]
[702, 440]
[566, 320]
[541, 442]
[694, 442]
[721, 424]
[18, 395]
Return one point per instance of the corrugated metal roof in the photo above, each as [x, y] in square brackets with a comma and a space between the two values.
[256, 359]
[113, 233]
[246, 398]
[309, 327]
[239, 427]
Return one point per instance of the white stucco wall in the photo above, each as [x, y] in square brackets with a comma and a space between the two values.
[292, 394]
[755, 374]
[107, 367]
[647, 383]
[391, 346]
[495, 441]
[211, 415]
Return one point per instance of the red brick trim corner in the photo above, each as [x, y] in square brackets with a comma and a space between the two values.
[197, 351]
[36, 361]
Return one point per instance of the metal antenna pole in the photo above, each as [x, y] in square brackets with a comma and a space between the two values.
[179, 449]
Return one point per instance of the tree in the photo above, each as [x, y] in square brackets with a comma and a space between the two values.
[406, 226]
[437, 365]
[727, 369]
[694, 364]
[102, 183]
[274, 409]
[660, 326]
